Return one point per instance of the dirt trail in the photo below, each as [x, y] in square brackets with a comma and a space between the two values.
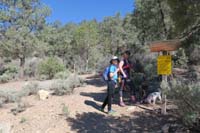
[45, 116]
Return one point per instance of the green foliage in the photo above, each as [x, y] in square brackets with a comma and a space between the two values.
[31, 88]
[20, 23]
[66, 87]
[188, 101]
[187, 12]
[181, 60]
[14, 96]
[9, 72]
[50, 67]
[23, 120]
[65, 110]
[62, 75]
[21, 107]
[61, 87]
[10, 69]
[138, 78]
[30, 68]
[5, 78]
[9, 96]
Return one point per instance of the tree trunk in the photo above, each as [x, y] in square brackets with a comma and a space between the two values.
[74, 67]
[22, 63]
[163, 19]
[87, 64]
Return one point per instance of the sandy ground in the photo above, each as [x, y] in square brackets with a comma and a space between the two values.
[84, 116]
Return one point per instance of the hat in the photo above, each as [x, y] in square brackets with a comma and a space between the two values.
[114, 58]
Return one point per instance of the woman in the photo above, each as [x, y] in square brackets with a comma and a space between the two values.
[112, 82]
[125, 67]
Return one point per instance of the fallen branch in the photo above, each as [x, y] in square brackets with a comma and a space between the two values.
[145, 108]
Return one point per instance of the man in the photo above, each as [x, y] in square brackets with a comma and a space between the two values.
[112, 82]
[124, 67]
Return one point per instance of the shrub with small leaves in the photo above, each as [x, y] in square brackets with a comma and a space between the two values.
[9, 96]
[66, 87]
[23, 120]
[188, 101]
[65, 110]
[62, 75]
[5, 78]
[31, 66]
[8, 73]
[30, 88]
[42, 77]
[60, 87]
[180, 59]
[50, 67]
[21, 107]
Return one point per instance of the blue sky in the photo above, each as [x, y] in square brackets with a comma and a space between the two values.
[79, 10]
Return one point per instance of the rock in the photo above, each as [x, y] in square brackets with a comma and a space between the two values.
[5, 128]
[165, 128]
[43, 94]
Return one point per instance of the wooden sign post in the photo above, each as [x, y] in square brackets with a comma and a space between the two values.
[164, 62]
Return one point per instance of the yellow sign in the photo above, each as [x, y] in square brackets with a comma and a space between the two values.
[164, 65]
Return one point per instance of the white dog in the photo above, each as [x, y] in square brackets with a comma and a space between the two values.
[152, 97]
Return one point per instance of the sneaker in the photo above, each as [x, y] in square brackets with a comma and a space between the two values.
[111, 112]
[122, 104]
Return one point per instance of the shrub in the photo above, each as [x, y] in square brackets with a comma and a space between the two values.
[13, 96]
[9, 96]
[30, 88]
[75, 81]
[4, 78]
[188, 102]
[31, 66]
[23, 120]
[180, 59]
[21, 107]
[42, 77]
[65, 110]
[11, 69]
[60, 87]
[8, 73]
[50, 67]
[62, 75]
[194, 55]
[66, 87]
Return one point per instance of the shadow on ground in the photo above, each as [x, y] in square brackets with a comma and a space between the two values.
[98, 97]
[95, 82]
[97, 123]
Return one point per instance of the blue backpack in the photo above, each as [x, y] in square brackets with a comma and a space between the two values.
[106, 72]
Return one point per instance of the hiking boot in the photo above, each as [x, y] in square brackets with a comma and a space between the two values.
[122, 104]
[111, 112]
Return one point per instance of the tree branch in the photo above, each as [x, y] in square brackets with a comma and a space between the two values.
[188, 33]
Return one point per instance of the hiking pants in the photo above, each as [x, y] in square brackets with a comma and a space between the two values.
[110, 93]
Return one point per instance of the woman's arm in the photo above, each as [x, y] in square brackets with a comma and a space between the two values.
[113, 73]
[121, 68]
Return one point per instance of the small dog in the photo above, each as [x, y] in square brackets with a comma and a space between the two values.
[152, 97]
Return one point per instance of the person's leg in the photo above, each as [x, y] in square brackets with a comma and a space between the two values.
[121, 102]
[111, 87]
[105, 102]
